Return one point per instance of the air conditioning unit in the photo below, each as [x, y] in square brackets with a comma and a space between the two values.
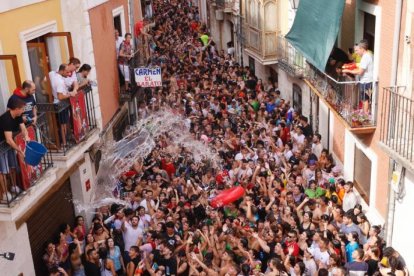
[219, 15]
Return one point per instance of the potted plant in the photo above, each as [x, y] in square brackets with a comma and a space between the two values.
[359, 118]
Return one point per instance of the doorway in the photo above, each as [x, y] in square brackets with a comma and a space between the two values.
[118, 25]
[56, 209]
[297, 98]
[369, 30]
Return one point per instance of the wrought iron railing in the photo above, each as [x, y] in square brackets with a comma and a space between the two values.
[341, 92]
[343, 96]
[219, 3]
[290, 60]
[15, 175]
[70, 121]
[397, 122]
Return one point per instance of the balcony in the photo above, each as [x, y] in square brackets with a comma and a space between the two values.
[397, 125]
[261, 32]
[220, 4]
[79, 115]
[16, 177]
[290, 60]
[261, 45]
[232, 6]
[340, 93]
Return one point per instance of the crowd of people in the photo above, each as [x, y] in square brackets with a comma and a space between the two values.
[298, 215]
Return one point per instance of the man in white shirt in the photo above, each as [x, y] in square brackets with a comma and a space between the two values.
[61, 93]
[118, 42]
[131, 233]
[350, 199]
[317, 145]
[366, 72]
[321, 254]
[144, 219]
[147, 200]
[71, 79]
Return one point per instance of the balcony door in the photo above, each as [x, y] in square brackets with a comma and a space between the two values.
[297, 97]
[39, 66]
[46, 53]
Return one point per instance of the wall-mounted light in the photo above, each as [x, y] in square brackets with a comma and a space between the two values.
[8, 255]
[294, 4]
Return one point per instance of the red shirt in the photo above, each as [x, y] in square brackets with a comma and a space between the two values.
[168, 167]
[295, 248]
[194, 25]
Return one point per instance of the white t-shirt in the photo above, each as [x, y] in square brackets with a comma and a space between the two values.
[144, 222]
[71, 79]
[58, 85]
[118, 43]
[368, 65]
[144, 204]
[322, 257]
[131, 235]
[317, 149]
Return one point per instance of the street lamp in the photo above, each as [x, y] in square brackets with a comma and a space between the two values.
[294, 4]
[8, 255]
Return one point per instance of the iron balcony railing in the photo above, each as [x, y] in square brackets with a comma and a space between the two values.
[397, 122]
[70, 121]
[290, 60]
[341, 92]
[219, 3]
[16, 176]
[342, 95]
[232, 6]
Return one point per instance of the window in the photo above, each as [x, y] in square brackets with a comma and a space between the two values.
[297, 97]
[362, 174]
[254, 14]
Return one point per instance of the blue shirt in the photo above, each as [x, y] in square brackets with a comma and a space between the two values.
[350, 247]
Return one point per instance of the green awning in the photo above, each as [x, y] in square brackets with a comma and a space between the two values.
[315, 29]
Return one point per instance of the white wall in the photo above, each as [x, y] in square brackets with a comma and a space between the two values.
[215, 28]
[75, 18]
[323, 127]
[226, 34]
[351, 142]
[402, 236]
[78, 181]
[286, 90]
[15, 241]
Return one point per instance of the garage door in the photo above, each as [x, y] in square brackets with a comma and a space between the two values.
[44, 224]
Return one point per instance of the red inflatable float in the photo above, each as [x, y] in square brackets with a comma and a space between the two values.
[227, 196]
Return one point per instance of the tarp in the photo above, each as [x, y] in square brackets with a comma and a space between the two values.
[315, 29]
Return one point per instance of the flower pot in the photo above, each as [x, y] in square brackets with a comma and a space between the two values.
[356, 124]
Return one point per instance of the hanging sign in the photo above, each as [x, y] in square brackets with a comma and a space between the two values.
[148, 77]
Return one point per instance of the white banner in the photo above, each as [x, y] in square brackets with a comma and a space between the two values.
[148, 77]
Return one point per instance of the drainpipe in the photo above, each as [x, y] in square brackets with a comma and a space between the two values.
[240, 36]
[131, 17]
[394, 72]
[396, 42]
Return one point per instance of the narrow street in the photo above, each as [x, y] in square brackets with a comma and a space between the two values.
[206, 138]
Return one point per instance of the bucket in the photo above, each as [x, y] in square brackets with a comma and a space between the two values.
[34, 153]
